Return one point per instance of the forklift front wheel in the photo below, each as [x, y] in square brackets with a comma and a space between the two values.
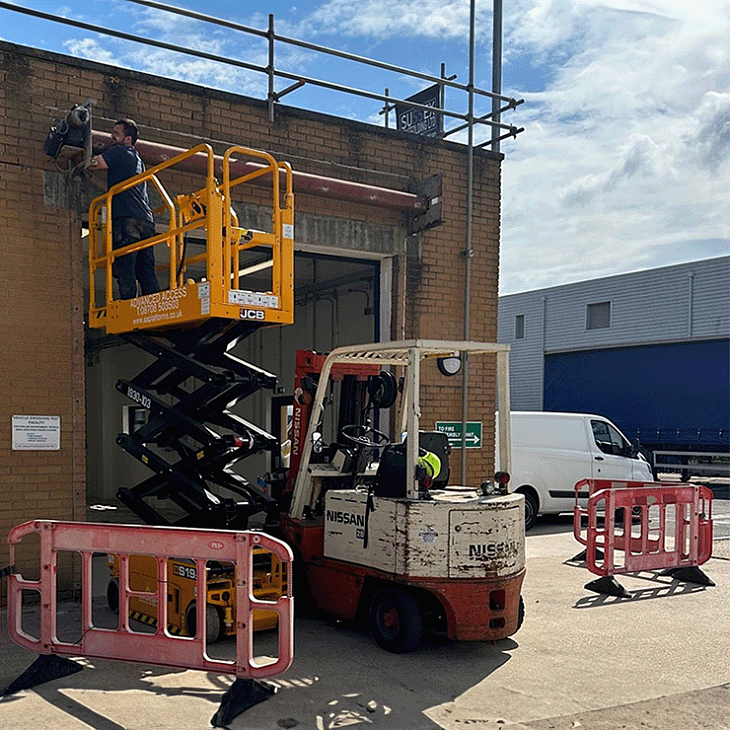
[396, 620]
[213, 623]
[520, 614]
[112, 595]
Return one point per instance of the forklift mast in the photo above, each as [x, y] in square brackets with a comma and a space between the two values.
[308, 368]
[367, 361]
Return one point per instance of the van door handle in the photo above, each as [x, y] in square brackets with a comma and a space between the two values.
[599, 458]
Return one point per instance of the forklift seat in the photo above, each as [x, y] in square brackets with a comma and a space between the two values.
[390, 479]
[438, 443]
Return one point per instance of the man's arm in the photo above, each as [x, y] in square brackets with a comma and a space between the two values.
[97, 163]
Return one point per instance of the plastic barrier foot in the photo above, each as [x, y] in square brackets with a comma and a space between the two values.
[583, 554]
[608, 585]
[689, 574]
[241, 695]
[45, 668]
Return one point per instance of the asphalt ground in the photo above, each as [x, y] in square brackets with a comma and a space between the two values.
[659, 660]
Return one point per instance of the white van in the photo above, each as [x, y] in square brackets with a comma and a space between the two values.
[553, 451]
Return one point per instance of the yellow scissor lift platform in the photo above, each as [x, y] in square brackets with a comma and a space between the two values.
[241, 274]
[223, 282]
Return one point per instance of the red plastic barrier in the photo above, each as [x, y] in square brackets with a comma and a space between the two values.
[585, 488]
[161, 648]
[663, 525]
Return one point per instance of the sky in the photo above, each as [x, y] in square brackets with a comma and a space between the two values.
[624, 163]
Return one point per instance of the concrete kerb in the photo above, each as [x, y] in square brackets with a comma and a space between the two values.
[721, 549]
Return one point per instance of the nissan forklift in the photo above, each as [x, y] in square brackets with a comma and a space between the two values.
[379, 526]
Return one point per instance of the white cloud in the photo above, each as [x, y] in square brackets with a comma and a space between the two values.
[708, 143]
[91, 50]
[640, 161]
[213, 39]
[625, 160]
[389, 18]
[197, 71]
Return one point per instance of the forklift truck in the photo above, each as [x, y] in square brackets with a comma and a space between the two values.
[381, 529]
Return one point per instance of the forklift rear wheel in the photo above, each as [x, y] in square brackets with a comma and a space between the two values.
[112, 595]
[396, 620]
[213, 623]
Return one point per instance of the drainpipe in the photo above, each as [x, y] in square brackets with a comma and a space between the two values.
[469, 251]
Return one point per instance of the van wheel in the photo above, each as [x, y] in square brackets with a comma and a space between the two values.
[531, 508]
[213, 623]
[396, 619]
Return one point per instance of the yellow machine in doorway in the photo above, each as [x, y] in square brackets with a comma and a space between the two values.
[269, 583]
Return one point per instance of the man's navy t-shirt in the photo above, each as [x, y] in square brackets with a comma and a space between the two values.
[124, 162]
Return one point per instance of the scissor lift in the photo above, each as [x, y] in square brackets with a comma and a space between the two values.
[223, 283]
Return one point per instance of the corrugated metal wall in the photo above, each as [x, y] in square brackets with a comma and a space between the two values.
[667, 396]
[685, 302]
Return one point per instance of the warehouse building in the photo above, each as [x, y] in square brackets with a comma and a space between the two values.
[648, 349]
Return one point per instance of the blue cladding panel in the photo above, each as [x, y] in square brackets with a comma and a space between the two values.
[676, 394]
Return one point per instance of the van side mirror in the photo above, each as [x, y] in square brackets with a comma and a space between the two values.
[635, 447]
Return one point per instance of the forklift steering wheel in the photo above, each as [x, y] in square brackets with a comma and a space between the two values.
[378, 440]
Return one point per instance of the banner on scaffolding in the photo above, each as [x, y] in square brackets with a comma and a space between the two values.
[422, 121]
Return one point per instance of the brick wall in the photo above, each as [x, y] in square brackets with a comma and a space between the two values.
[41, 301]
[41, 258]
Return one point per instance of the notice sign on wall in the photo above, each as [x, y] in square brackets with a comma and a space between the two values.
[36, 433]
[452, 429]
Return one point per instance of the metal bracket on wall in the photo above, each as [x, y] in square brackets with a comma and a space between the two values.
[430, 190]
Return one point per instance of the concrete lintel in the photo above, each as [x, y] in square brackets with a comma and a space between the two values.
[331, 234]
[317, 233]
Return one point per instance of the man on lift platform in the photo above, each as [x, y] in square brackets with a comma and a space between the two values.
[132, 218]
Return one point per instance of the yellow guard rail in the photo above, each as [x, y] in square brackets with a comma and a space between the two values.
[214, 267]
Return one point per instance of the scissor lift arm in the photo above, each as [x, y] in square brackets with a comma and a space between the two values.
[214, 299]
[188, 392]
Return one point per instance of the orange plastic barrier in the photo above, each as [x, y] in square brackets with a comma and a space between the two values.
[628, 527]
[161, 648]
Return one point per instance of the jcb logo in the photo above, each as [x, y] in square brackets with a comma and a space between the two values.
[252, 314]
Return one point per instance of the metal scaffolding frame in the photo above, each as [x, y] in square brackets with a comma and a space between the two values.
[500, 103]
